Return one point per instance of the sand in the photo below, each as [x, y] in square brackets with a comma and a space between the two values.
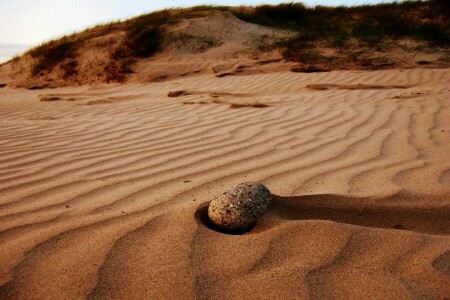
[104, 189]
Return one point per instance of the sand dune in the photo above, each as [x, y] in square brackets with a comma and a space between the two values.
[103, 189]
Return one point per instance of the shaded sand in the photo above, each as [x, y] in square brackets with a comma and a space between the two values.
[103, 189]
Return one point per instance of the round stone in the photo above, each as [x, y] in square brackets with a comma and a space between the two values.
[239, 207]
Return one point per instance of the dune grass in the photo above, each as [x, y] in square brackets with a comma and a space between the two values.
[365, 25]
[368, 25]
[51, 54]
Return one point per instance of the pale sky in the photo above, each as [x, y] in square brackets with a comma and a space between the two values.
[31, 22]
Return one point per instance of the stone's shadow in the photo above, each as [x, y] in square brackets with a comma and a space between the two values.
[323, 207]
[201, 216]
[398, 212]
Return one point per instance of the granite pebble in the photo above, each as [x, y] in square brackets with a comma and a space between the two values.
[240, 207]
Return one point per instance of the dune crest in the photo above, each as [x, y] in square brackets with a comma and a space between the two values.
[228, 41]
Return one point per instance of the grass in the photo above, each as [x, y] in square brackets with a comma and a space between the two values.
[117, 70]
[69, 68]
[14, 59]
[334, 27]
[51, 54]
[142, 40]
[145, 42]
[368, 25]
[144, 37]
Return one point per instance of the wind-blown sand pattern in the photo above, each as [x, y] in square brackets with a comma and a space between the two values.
[104, 190]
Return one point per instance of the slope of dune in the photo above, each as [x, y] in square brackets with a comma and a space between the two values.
[225, 41]
[103, 189]
[212, 42]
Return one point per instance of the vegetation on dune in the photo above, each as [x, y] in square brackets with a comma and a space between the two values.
[51, 54]
[368, 25]
[140, 41]
[336, 27]
[144, 37]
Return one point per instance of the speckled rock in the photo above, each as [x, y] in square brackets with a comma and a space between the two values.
[240, 207]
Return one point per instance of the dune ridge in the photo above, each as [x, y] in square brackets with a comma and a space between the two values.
[103, 190]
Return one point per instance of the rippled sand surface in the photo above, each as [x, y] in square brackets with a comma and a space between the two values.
[103, 189]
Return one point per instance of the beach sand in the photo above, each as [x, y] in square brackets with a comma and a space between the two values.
[104, 189]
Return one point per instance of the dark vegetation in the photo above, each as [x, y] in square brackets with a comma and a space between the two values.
[366, 25]
[51, 54]
[142, 39]
[337, 27]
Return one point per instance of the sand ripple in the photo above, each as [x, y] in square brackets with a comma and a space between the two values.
[103, 191]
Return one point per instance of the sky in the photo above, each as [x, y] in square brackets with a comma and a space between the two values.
[24, 23]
